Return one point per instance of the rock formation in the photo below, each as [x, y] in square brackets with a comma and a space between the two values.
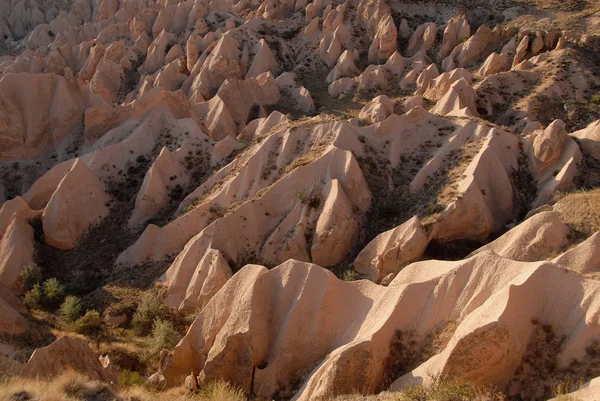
[328, 197]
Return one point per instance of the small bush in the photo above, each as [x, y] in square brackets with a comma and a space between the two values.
[30, 275]
[163, 336]
[182, 66]
[253, 113]
[127, 378]
[33, 297]
[290, 33]
[302, 196]
[70, 309]
[78, 282]
[434, 207]
[149, 309]
[595, 99]
[88, 323]
[53, 292]
[220, 390]
[350, 275]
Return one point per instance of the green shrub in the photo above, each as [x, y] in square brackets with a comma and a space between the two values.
[595, 99]
[30, 275]
[33, 297]
[290, 33]
[88, 323]
[149, 309]
[70, 309]
[78, 282]
[163, 336]
[53, 292]
[127, 378]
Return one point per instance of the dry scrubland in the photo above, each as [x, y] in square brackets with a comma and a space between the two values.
[299, 200]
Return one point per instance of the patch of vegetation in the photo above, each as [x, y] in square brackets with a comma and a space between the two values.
[253, 113]
[70, 310]
[540, 374]
[89, 323]
[407, 351]
[220, 391]
[164, 336]
[580, 211]
[314, 80]
[72, 385]
[48, 295]
[131, 77]
[524, 187]
[127, 378]
[350, 275]
[53, 292]
[29, 276]
[447, 389]
[33, 298]
[149, 309]
[290, 33]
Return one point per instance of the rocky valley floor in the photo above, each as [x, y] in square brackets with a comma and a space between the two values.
[291, 200]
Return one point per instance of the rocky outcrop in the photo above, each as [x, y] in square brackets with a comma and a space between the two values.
[460, 100]
[486, 339]
[584, 258]
[161, 178]
[391, 250]
[344, 67]
[79, 201]
[440, 85]
[553, 160]
[16, 251]
[494, 64]
[231, 106]
[264, 61]
[13, 322]
[377, 110]
[477, 46]
[422, 39]
[589, 139]
[222, 63]
[196, 117]
[289, 86]
[457, 30]
[484, 203]
[532, 240]
[226, 341]
[384, 42]
[38, 112]
[68, 353]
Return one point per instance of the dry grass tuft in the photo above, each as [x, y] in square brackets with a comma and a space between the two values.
[441, 389]
[74, 386]
[580, 210]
